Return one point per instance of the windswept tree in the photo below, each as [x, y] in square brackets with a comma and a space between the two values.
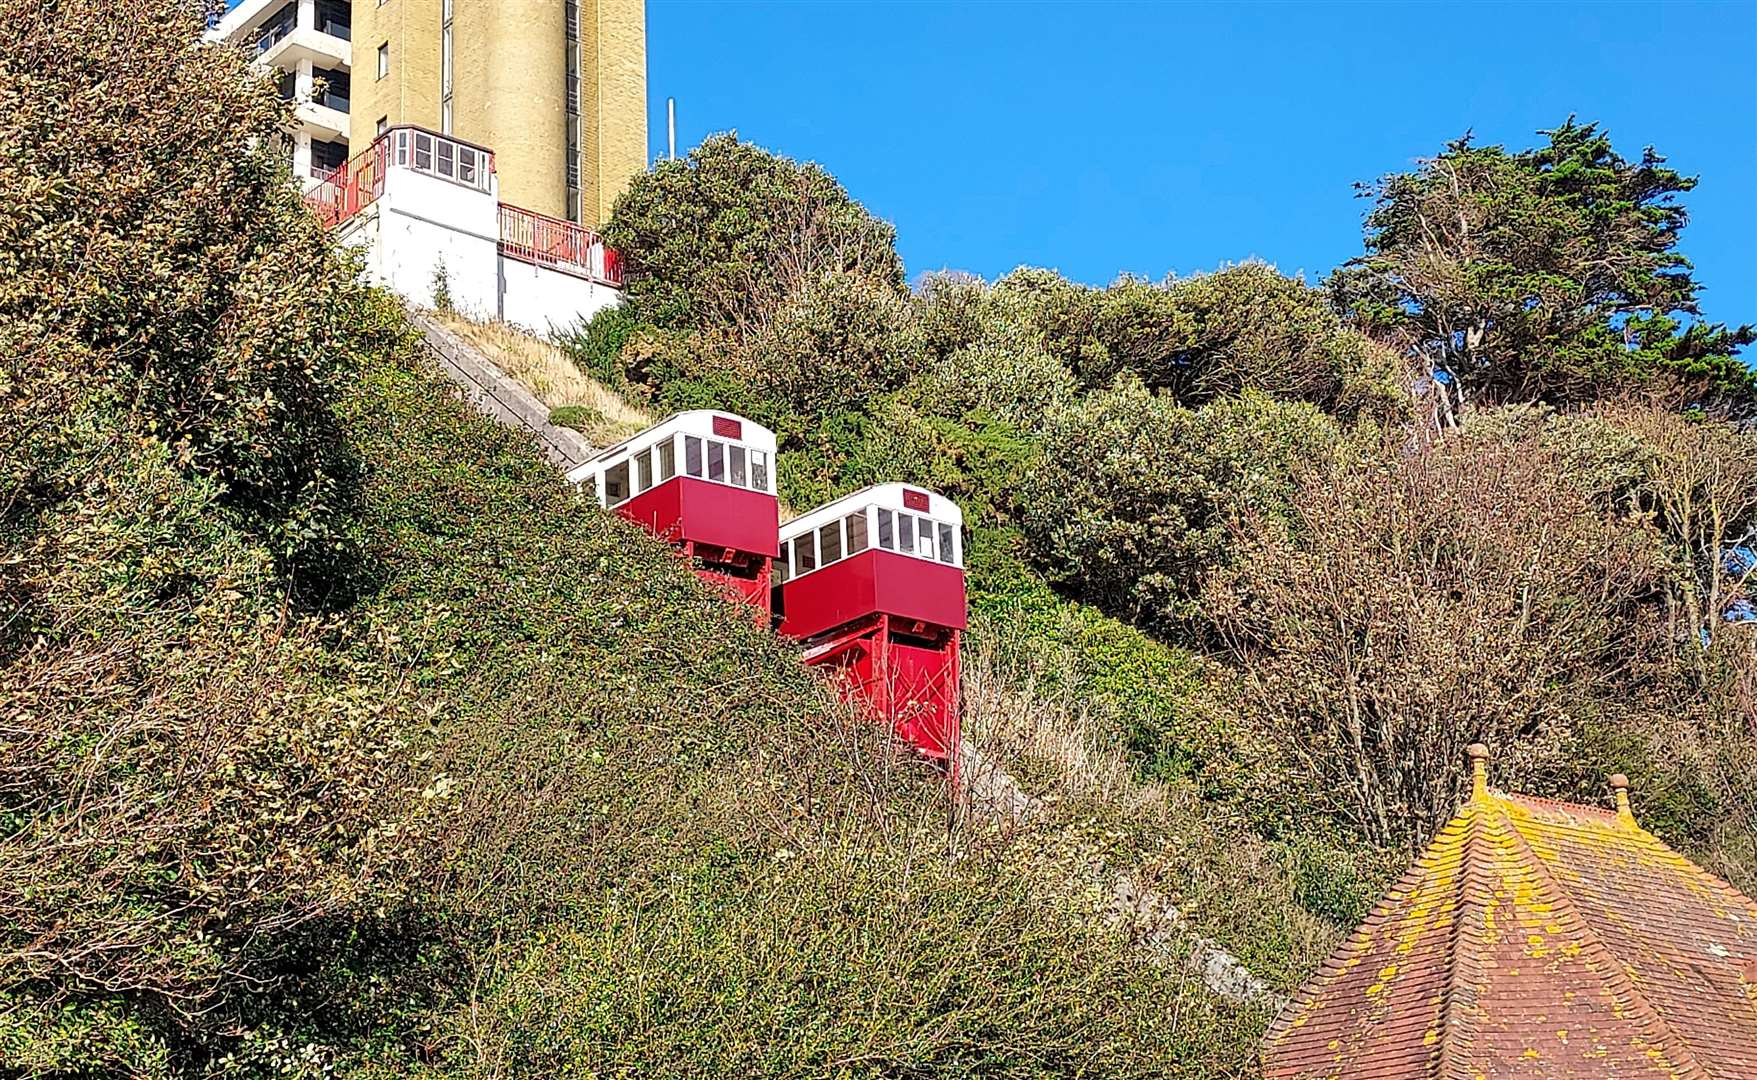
[1546, 274]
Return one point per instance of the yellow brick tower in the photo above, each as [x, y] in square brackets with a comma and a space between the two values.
[556, 88]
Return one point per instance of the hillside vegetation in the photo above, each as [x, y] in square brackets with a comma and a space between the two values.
[1290, 548]
[339, 737]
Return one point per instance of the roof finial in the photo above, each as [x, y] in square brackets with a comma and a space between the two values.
[1620, 785]
[1479, 770]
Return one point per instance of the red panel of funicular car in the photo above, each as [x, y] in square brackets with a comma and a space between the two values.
[873, 585]
[704, 482]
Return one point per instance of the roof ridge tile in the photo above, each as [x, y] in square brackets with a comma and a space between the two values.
[1598, 955]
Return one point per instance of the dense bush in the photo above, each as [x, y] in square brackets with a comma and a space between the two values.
[1211, 335]
[194, 815]
[832, 346]
[723, 236]
[160, 281]
[595, 345]
[1135, 497]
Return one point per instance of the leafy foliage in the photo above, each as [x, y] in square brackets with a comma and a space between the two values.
[595, 346]
[1134, 499]
[159, 279]
[1242, 328]
[723, 236]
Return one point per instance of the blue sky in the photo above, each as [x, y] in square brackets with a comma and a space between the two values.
[1099, 138]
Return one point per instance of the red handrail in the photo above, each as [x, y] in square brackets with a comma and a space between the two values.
[560, 245]
[350, 188]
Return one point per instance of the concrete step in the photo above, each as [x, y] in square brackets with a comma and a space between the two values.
[500, 396]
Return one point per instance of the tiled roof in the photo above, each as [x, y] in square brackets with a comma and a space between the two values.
[1535, 939]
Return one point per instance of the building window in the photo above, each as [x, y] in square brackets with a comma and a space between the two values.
[335, 18]
[383, 124]
[384, 60]
[278, 26]
[327, 157]
[571, 90]
[336, 88]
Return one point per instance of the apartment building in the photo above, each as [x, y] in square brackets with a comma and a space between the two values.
[557, 88]
[308, 43]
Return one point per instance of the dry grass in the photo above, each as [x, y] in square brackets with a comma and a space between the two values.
[543, 369]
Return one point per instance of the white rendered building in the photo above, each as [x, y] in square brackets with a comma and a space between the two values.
[425, 210]
[308, 43]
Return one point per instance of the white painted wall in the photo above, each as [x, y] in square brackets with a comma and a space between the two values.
[544, 300]
[426, 223]
[423, 222]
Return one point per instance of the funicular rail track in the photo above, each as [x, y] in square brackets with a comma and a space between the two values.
[1151, 919]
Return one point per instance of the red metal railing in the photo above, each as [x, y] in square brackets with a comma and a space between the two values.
[350, 188]
[560, 245]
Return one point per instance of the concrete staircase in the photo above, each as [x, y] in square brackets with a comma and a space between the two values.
[488, 389]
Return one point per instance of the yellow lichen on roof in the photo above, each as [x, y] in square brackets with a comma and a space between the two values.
[1535, 939]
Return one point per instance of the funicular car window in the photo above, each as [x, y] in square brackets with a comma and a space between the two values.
[616, 484]
[906, 533]
[716, 460]
[804, 555]
[759, 470]
[643, 471]
[924, 537]
[947, 555]
[735, 465]
[857, 532]
[885, 531]
[829, 542]
[667, 460]
[783, 562]
[692, 455]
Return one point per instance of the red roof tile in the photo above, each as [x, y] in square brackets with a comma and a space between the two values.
[1535, 939]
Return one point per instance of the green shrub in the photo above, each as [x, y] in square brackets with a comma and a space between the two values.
[1156, 700]
[724, 236]
[595, 345]
[1136, 495]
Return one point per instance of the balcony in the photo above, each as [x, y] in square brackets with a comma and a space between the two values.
[280, 33]
[285, 48]
[560, 245]
[321, 121]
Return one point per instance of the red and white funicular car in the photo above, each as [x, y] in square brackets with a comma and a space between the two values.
[704, 482]
[873, 584]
